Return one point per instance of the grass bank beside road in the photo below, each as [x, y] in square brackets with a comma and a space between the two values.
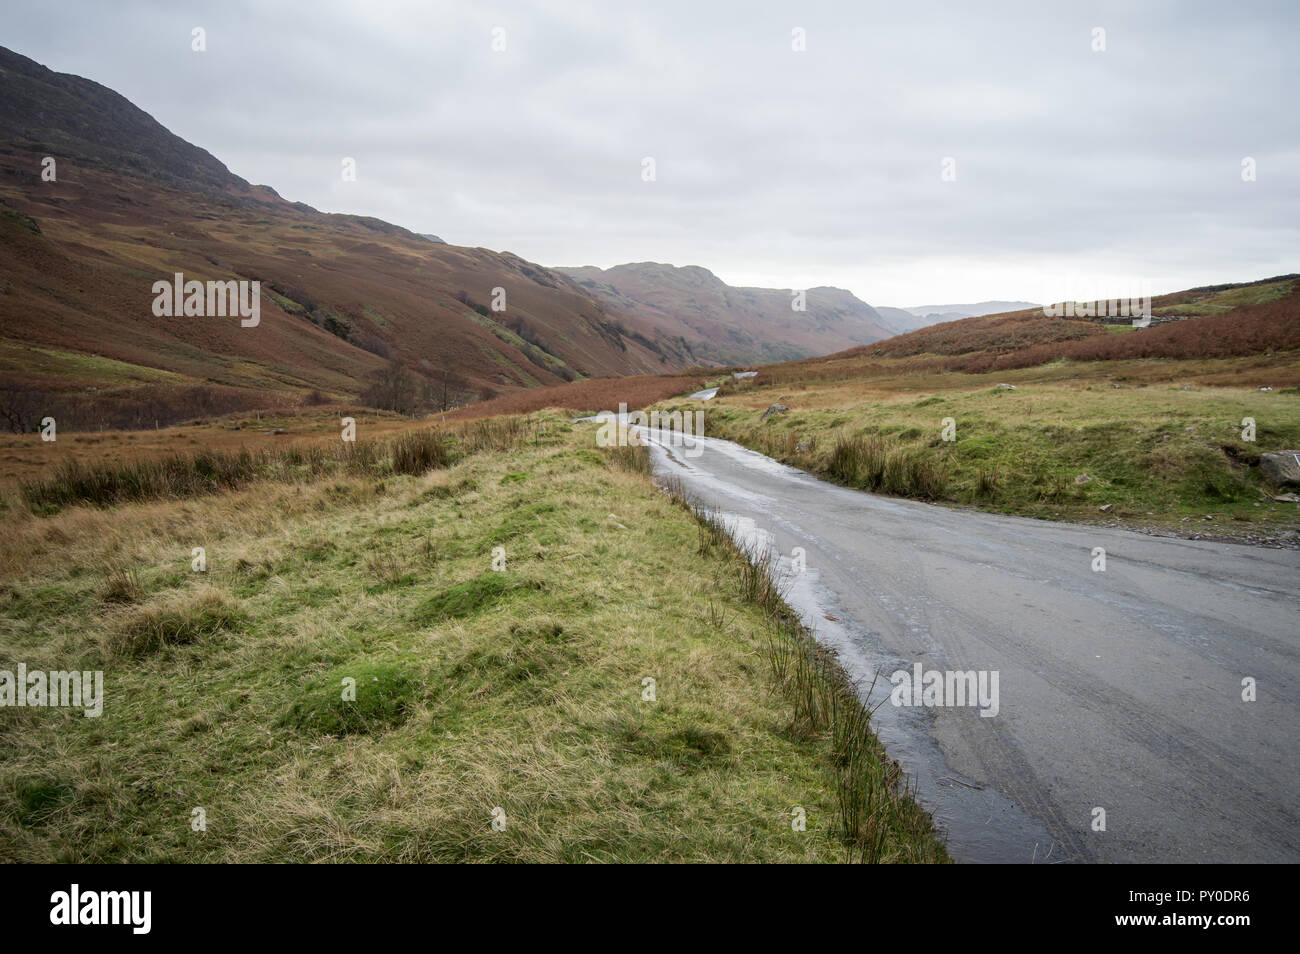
[1158, 455]
[536, 636]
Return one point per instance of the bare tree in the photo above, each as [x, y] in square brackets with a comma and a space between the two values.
[392, 388]
[18, 409]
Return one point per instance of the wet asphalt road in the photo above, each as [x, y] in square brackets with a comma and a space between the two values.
[1119, 690]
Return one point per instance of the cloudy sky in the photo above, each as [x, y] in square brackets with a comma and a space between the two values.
[1074, 169]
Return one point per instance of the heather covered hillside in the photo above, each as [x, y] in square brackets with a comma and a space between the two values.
[1213, 322]
[342, 297]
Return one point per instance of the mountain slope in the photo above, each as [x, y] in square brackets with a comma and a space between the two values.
[729, 325]
[133, 204]
[60, 115]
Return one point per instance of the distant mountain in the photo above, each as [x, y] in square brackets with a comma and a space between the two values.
[131, 204]
[722, 324]
[937, 313]
[901, 320]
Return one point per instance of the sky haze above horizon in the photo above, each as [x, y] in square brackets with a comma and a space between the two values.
[914, 154]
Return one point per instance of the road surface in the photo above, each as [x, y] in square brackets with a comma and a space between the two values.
[1119, 690]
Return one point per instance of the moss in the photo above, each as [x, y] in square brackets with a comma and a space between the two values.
[367, 696]
[466, 599]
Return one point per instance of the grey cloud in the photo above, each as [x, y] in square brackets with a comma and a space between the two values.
[774, 167]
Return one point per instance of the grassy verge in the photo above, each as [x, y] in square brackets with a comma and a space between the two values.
[1160, 455]
[520, 687]
[878, 820]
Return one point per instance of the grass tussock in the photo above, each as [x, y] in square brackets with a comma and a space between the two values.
[179, 620]
[465, 599]
[634, 458]
[494, 434]
[873, 463]
[106, 484]
[121, 585]
[420, 452]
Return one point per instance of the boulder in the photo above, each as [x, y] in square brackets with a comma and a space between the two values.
[1281, 468]
[774, 409]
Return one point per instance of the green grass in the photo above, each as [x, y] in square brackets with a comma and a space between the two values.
[877, 811]
[465, 599]
[1157, 455]
[65, 364]
[362, 696]
[475, 689]
[1216, 303]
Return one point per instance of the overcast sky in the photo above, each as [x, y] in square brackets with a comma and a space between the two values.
[1076, 170]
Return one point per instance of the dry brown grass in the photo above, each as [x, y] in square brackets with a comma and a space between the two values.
[592, 395]
[26, 456]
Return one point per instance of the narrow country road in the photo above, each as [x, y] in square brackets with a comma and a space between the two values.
[1119, 690]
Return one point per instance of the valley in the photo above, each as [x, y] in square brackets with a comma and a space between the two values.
[379, 548]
